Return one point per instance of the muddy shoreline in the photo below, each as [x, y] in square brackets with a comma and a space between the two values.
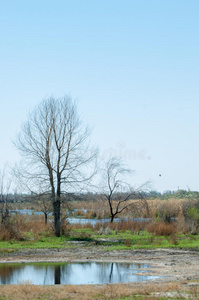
[173, 264]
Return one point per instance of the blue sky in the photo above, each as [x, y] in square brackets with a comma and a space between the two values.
[133, 67]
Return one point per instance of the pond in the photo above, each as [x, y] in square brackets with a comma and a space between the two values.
[73, 220]
[94, 221]
[74, 273]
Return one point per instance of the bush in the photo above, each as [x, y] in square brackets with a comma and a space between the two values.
[79, 213]
[166, 212]
[9, 230]
[23, 227]
[65, 228]
[81, 236]
[90, 214]
[162, 228]
[190, 211]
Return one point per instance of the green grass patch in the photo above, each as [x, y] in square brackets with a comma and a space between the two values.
[43, 242]
[120, 241]
[145, 240]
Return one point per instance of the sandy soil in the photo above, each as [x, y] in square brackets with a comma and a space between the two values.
[175, 265]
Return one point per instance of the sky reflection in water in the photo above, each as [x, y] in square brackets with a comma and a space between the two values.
[74, 273]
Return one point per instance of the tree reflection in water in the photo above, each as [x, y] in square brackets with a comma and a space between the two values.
[57, 274]
[111, 273]
[73, 273]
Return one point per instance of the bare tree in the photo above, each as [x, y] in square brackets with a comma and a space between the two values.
[5, 184]
[56, 151]
[44, 204]
[116, 190]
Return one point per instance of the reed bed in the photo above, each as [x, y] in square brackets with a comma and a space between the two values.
[101, 208]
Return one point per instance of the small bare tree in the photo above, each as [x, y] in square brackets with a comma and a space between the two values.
[116, 190]
[43, 203]
[56, 151]
[5, 184]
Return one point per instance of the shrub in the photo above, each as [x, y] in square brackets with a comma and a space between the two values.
[22, 227]
[105, 230]
[127, 243]
[9, 230]
[65, 228]
[166, 212]
[190, 211]
[79, 212]
[162, 228]
[81, 236]
[90, 214]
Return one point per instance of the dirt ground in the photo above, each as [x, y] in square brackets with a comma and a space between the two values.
[174, 265]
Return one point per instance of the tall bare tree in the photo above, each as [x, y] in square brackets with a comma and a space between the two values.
[116, 190]
[56, 151]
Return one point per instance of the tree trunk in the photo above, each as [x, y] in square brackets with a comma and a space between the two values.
[46, 218]
[112, 218]
[56, 207]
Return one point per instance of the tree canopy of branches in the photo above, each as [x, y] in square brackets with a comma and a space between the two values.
[116, 190]
[56, 151]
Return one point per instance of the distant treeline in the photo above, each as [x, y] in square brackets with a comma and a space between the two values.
[89, 196]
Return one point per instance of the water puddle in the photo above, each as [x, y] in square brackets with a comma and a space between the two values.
[74, 273]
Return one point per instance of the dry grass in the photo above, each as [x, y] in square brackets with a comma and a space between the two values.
[82, 226]
[99, 209]
[87, 292]
[132, 226]
[79, 212]
[155, 205]
[161, 228]
[122, 226]
[18, 225]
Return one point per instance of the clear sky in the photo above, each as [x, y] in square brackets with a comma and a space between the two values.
[133, 66]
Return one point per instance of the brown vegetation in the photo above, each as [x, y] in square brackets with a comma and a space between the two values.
[161, 213]
[17, 226]
[110, 291]
[162, 228]
[173, 207]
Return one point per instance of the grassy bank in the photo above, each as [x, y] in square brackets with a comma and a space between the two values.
[122, 241]
[32, 233]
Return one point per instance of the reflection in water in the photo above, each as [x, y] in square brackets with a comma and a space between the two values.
[73, 273]
[111, 273]
[57, 274]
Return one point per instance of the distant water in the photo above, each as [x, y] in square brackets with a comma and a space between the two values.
[73, 220]
[94, 221]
